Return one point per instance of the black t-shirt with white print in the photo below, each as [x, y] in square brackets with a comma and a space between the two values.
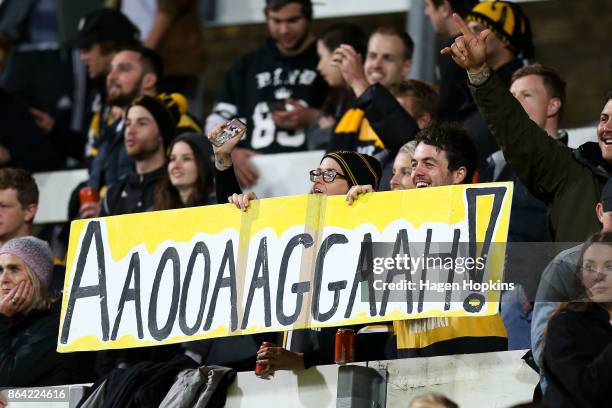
[266, 75]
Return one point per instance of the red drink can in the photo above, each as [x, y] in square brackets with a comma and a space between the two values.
[259, 367]
[88, 195]
[345, 346]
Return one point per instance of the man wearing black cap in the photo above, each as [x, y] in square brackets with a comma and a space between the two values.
[276, 89]
[560, 283]
[150, 125]
[100, 35]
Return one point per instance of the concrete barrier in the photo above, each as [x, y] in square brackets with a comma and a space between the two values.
[472, 380]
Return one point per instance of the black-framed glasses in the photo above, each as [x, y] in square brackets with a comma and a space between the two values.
[327, 175]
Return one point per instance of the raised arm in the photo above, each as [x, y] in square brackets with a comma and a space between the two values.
[541, 163]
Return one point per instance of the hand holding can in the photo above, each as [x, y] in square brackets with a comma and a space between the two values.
[88, 195]
[261, 368]
[90, 202]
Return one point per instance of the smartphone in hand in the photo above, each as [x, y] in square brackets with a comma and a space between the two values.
[233, 129]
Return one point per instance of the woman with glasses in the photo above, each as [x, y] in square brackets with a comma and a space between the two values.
[336, 174]
[578, 340]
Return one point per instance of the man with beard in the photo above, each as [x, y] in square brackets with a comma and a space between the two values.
[134, 71]
[276, 89]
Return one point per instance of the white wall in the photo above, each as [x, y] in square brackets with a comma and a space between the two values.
[472, 380]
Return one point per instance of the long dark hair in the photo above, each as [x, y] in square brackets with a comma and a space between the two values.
[342, 33]
[167, 196]
[584, 303]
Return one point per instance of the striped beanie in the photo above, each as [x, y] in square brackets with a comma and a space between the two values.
[508, 23]
[360, 169]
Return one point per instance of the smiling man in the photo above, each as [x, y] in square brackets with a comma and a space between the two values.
[444, 155]
[370, 126]
[276, 89]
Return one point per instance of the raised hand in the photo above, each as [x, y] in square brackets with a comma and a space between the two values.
[227, 147]
[350, 64]
[469, 49]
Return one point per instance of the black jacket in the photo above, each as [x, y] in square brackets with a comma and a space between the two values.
[392, 125]
[29, 147]
[578, 359]
[568, 182]
[27, 352]
[454, 92]
[133, 194]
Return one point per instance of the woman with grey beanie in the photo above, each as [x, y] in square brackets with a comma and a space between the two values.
[29, 318]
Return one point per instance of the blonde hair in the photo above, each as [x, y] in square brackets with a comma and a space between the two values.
[432, 400]
[409, 148]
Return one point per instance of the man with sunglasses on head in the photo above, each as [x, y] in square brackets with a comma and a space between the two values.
[336, 174]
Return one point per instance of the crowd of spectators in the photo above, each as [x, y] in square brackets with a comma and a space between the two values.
[493, 115]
